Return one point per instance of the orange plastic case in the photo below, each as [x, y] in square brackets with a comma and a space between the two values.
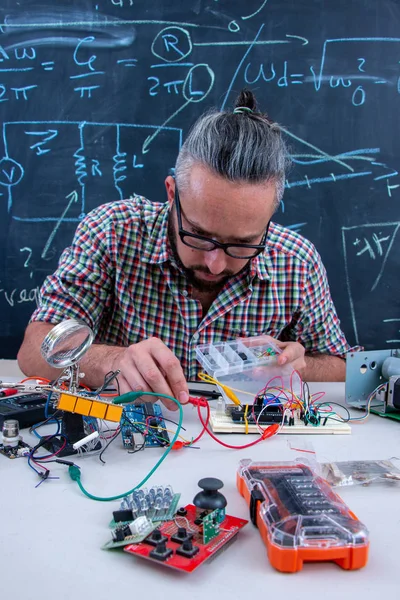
[300, 517]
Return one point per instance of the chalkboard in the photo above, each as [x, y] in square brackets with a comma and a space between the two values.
[97, 96]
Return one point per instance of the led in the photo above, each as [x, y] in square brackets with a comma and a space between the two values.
[158, 502]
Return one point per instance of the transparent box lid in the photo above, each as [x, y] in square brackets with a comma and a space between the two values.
[299, 509]
[246, 364]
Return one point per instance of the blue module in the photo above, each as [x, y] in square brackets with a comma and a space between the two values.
[137, 417]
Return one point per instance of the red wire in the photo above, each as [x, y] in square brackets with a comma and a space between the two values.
[205, 425]
[268, 432]
[46, 458]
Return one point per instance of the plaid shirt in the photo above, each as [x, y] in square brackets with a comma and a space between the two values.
[120, 278]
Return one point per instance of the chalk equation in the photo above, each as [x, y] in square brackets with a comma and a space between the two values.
[96, 102]
[372, 249]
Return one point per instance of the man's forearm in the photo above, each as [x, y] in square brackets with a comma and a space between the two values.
[97, 362]
[324, 367]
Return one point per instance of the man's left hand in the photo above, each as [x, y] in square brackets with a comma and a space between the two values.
[292, 353]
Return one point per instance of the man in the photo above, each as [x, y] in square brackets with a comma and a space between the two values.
[155, 280]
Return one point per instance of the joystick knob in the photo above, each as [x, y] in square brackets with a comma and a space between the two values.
[210, 498]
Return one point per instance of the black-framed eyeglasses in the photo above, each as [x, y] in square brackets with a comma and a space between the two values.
[201, 242]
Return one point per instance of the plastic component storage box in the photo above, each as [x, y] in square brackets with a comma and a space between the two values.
[300, 517]
[246, 364]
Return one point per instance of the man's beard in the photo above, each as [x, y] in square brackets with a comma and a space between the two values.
[189, 272]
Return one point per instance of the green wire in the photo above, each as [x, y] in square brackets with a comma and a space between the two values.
[75, 473]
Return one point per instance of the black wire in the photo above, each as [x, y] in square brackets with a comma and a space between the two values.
[160, 417]
[114, 378]
[151, 433]
[106, 446]
[333, 418]
[169, 421]
[142, 447]
[306, 388]
[33, 428]
[116, 435]
[44, 440]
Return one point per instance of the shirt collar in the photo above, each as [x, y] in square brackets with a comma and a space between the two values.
[156, 248]
[259, 266]
[262, 265]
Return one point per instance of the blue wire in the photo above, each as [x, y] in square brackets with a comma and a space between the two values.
[47, 406]
[33, 429]
[29, 465]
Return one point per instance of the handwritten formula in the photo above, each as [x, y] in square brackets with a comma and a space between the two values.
[95, 104]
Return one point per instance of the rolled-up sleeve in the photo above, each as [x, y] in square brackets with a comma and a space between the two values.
[81, 287]
[318, 326]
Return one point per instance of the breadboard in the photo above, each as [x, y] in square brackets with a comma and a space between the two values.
[222, 423]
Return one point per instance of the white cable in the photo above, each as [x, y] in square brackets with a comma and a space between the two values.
[85, 440]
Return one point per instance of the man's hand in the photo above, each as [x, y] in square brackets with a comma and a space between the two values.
[315, 367]
[292, 354]
[150, 366]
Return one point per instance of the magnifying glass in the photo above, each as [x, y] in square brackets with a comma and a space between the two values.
[66, 343]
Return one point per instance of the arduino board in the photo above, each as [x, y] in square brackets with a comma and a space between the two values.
[139, 417]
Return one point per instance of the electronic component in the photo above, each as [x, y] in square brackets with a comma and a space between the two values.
[244, 364]
[10, 433]
[128, 533]
[221, 421]
[18, 451]
[356, 472]
[85, 440]
[13, 446]
[189, 553]
[211, 523]
[161, 551]
[157, 504]
[89, 407]
[28, 409]
[187, 549]
[373, 378]
[74, 429]
[137, 418]
[300, 518]
[156, 538]
[210, 498]
[393, 397]
[62, 348]
[182, 535]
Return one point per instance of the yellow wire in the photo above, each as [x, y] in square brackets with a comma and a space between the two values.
[228, 391]
[156, 427]
[169, 431]
[246, 422]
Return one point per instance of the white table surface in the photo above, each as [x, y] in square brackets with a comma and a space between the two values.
[51, 536]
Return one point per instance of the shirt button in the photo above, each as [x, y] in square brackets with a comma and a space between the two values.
[196, 337]
[184, 293]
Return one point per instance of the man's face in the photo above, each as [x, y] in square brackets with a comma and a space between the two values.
[224, 211]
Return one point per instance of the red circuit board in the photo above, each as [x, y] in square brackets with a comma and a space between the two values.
[229, 528]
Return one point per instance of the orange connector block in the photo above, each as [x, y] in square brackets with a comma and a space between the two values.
[83, 405]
